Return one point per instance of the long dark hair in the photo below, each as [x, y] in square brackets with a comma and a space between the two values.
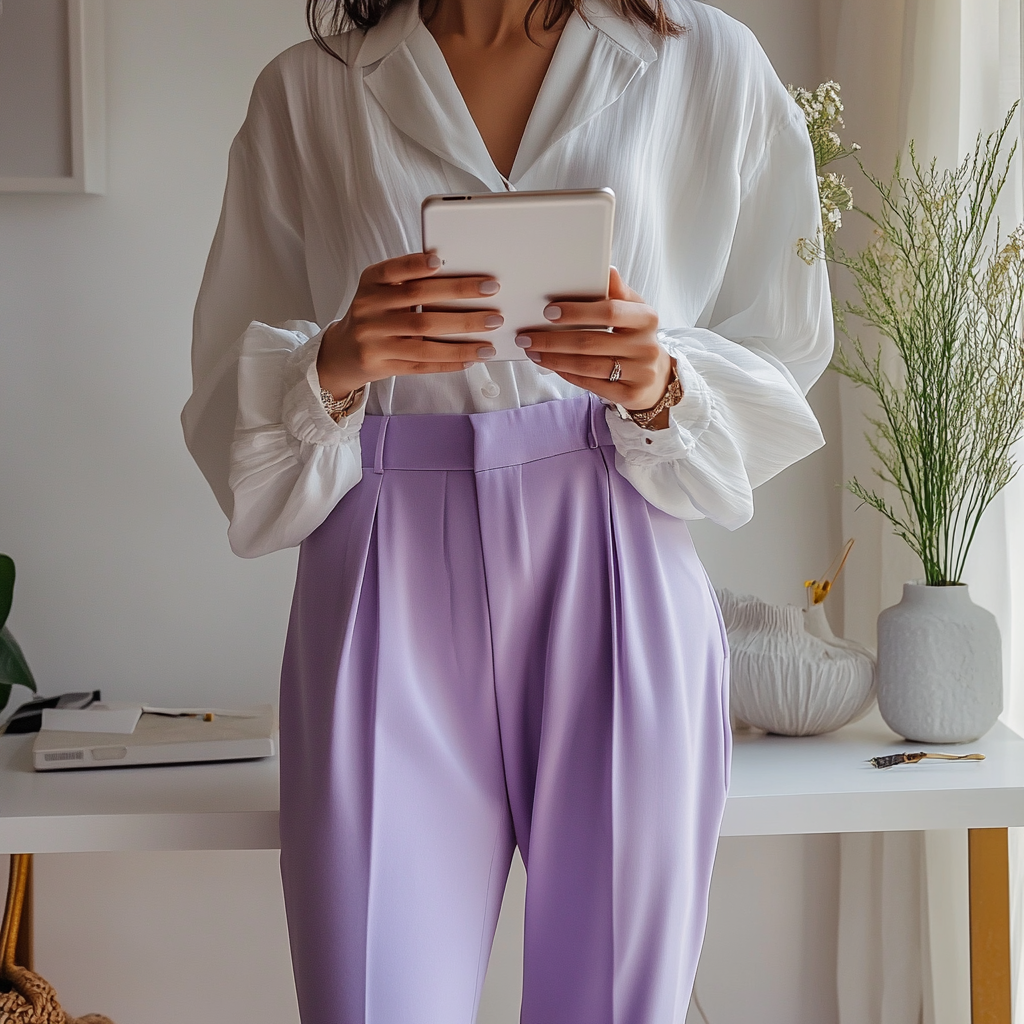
[329, 17]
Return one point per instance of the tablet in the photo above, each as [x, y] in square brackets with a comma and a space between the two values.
[539, 245]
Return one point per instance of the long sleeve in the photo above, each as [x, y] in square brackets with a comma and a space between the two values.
[275, 460]
[744, 417]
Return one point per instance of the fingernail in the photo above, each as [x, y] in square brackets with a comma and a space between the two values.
[466, 366]
[489, 287]
[433, 261]
[535, 356]
[553, 312]
[493, 320]
[485, 351]
[524, 340]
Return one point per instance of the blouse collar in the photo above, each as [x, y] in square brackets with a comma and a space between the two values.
[404, 17]
[403, 67]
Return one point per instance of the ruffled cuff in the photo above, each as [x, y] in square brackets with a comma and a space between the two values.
[290, 463]
[302, 412]
[687, 421]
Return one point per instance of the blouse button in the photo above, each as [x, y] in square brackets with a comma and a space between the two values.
[490, 390]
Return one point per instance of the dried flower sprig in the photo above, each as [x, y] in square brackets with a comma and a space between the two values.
[891, 760]
[823, 110]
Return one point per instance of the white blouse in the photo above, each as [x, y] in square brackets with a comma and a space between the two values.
[714, 180]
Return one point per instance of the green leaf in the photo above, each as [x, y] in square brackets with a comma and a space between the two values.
[6, 587]
[14, 668]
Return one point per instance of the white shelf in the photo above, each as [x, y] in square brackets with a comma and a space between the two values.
[779, 786]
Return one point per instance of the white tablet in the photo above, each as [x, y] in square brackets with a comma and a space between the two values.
[539, 245]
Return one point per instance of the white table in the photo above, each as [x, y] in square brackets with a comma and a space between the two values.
[779, 786]
[784, 786]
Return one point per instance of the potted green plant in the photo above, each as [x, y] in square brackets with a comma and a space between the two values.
[14, 670]
[944, 287]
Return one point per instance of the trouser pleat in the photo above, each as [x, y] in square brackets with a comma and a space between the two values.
[671, 751]
[552, 652]
[327, 733]
[441, 843]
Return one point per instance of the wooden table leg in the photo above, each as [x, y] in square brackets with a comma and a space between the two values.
[24, 951]
[990, 925]
[16, 933]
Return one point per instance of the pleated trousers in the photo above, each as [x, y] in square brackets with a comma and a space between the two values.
[496, 641]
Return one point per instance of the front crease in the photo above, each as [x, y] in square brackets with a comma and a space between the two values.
[378, 456]
[615, 597]
[490, 631]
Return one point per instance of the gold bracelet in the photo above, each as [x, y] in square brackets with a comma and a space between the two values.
[673, 396]
[335, 407]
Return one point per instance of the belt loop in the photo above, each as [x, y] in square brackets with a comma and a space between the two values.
[378, 455]
[594, 406]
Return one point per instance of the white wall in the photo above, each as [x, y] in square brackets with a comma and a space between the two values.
[126, 582]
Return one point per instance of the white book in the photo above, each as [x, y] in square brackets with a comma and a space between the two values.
[108, 718]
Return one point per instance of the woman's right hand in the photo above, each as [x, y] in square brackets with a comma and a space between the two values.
[382, 335]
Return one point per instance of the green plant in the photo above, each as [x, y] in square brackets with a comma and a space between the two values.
[13, 667]
[938, 283]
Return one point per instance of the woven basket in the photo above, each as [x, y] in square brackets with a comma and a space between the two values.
[25, 998]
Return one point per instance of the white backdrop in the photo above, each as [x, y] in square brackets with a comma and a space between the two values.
[126, 582]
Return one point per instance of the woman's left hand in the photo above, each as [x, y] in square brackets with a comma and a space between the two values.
[587, 357]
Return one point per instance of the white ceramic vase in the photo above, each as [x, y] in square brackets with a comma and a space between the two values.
[940, 667]
[789, 673]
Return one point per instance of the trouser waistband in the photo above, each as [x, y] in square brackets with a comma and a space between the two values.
[482, 441]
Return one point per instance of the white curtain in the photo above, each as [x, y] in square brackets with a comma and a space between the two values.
[937, 71]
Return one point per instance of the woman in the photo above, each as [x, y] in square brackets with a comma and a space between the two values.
[501, 633]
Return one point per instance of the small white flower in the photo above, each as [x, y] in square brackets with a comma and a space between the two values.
[822, 111]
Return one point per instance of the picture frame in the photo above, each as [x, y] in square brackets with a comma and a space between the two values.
[84, 120]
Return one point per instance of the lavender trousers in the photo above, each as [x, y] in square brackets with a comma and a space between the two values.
[496, 641]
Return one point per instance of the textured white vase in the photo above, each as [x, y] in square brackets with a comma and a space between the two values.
[940, 667]
[789, 674]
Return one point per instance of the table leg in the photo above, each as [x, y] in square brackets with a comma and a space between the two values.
[24, 950]
[16, 940]
[989, 866]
